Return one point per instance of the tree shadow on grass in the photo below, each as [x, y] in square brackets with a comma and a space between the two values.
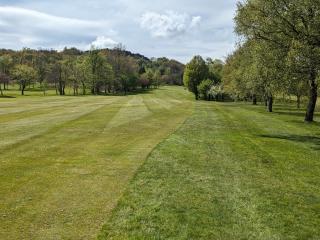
[301, 122]
[291, 113]
[4, 96]
[140, 91]
[289, 110]
[118, 94]
[313, 141]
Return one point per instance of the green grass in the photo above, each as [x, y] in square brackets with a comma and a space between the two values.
[65, 161]
[232, 171]
[30, 91]
[156, 166]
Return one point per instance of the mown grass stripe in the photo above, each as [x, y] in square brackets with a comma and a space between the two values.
[64, 183]
[218, 178]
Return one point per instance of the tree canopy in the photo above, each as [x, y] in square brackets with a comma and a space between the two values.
[195, 72]
[289, 26]
[97, 71]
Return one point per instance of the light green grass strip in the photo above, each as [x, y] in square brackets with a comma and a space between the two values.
[65, 161]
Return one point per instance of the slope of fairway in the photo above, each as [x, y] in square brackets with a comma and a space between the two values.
[230, 172]
[65, 161]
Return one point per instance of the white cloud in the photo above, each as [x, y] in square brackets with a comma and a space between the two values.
[179, 34]
[169, 24]
[103, 42]
[37, 28]
[195, 21]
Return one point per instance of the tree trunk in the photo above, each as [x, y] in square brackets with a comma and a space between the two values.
[313, 95]
[254, 99]
[1, 91]
[270, 103]
[93, 88]
[55, 86]
[83, 88]
[298, 102]
[22, 89]
[60, 88]
[196, 93]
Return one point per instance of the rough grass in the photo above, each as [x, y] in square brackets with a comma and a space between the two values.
[65, 161]
[232, 171]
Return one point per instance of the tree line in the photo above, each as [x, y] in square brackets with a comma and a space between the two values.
[96, 72]
[278, 54]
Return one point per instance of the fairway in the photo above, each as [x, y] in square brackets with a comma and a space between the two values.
[160, 120]
[65, 161]
[156, 165]
[232, 171]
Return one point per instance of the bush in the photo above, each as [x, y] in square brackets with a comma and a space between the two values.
[204, 88]
[216, 93]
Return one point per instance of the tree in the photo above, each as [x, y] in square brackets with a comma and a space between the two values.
[170, 71]
[156, 78]
[241, 75]
[254, 71]
[83, 72]
[100, 70]
[285, 24]
[298, 87]
[6, 63]
[195, 72]
[270, 70]
[146, 79]
[128, 72]
[296, 84]
[54, 77]
[217, 93]
[215, 70]
[66, 74]
[204, 88]
[104, 75]
[4, 78]
[41, 68]
[93, 61]
[24, 74]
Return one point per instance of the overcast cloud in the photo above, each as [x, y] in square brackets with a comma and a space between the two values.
[175, 29]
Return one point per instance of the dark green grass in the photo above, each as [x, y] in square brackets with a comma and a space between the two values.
[232, 171]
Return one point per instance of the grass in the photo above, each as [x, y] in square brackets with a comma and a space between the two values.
[232, 171]
[156, 166]
[30, 91]
[65, 161]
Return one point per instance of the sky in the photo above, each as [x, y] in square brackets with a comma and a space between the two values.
[177, 29]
